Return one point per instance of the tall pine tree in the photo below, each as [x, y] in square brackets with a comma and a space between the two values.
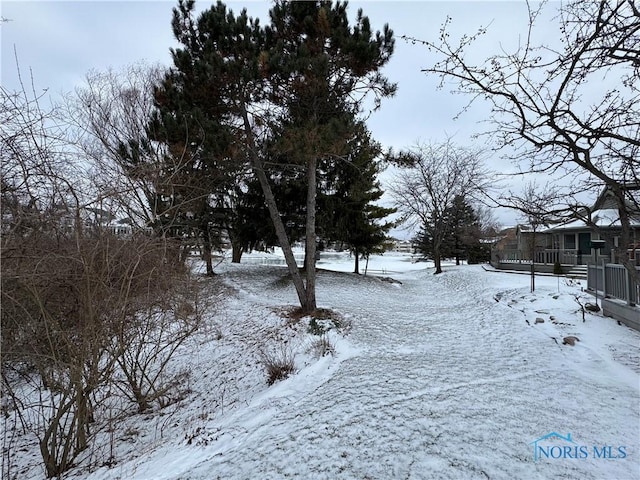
[348, 214]
[319, 65]
[464, 229]
[203, 164]
[295, 87]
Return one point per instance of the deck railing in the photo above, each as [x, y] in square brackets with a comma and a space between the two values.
[565, 257]
[549, 257]
[613, 280]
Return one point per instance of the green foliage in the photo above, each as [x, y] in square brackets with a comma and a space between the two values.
[203, 168]
[312, 42]
[315, 328]
[348, 215]
[283, 99]
[322, 320]
[462, 236]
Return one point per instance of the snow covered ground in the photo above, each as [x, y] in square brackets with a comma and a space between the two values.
[445, 376]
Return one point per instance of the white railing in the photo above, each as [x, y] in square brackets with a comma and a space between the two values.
[510, 256]
[613, 280]
[549, 257]
[565, 257]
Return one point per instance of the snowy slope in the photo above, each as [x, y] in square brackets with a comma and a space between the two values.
[442, 376]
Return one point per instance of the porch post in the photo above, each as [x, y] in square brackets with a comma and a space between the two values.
[627, 287]
[604, 278]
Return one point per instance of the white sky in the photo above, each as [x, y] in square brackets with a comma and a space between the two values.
[61, 41]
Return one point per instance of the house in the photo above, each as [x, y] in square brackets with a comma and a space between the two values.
[401, 246]
[588, 247]
[518, 244]
[570, 243]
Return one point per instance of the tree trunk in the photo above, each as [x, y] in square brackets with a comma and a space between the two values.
[357, 266]
[184, 252]
[236, 252]
[310, 243]
[437, 260]
[270, 200]
[82, 416]
[206, 251]
[281, 234]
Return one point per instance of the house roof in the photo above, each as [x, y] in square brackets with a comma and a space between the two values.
[604, 214]
[605, 218]
[605, 199]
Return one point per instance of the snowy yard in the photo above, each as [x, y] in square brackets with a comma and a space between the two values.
[444, 376]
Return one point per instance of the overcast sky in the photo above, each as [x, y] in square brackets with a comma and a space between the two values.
[59, 42]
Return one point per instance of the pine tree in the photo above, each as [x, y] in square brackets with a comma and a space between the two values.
[461, 234]
[347, 212]
[202, 162]
[288, 93]
[319, 64]
[464, 229]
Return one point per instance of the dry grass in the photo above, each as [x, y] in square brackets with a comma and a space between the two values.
[279, 364]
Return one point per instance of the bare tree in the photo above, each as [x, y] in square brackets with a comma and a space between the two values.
[152, 183]
[533, 204]
[110, 116]
[73, 296]
[489, 224]
[567, 110]
[432, 175]
[40, 183]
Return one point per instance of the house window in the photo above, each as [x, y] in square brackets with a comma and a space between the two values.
[569, 241]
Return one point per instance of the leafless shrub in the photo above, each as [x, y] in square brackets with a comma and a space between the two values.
[577, 298]
[80, 311]
[75, 299]
[322, 346]
[279, 363]
[144, 351]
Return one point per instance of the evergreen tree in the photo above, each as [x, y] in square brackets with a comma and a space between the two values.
[461, 237]
[203, 164]
[320, 65]
[426, 186]
[464, 229]
[347, 190]
[295, 87]
[347, 212]
[426, 242]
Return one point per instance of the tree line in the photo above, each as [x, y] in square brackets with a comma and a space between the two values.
[255, 134]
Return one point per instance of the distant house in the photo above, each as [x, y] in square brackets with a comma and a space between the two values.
[572, 240]
[401, 246]
[587, 247]
[516, 244]
[96, 219]
[570, 243]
